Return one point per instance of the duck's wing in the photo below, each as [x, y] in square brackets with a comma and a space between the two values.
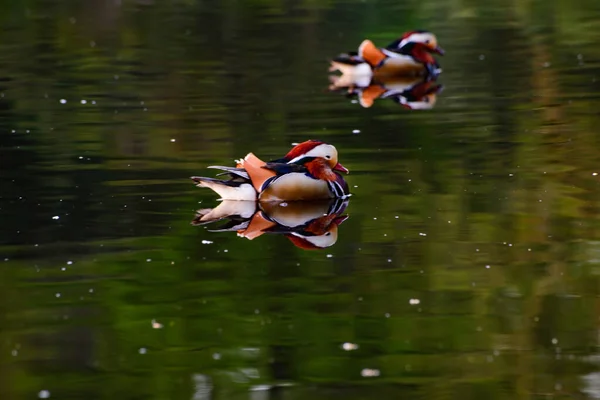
[240, 172]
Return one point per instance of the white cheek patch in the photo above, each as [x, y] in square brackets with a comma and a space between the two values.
[321, 150]
[415, 37]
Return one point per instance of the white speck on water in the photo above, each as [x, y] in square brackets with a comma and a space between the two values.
[156, 325]
[83, 101]
[257, 311]
[349, 346]
[594, 173]
[148, 259]
[63, 101]
[44, 394]
[396, 217]
[93, 101]
[353, 101]
[57, 294]
[413, 302]
[225, 251]
[554, 341]
[481, 57]
[355, 131]
[329, 255]
[14, 353]
[487, 267]
[207, 242]
[91, 290]
[63, 269]
[355, 186]
[387, 314]
[69, 262]
[173, 140]
[389, 260]
[56, 217]
[422, 234]
[369, 373]
[546, 64]
[216, 356]
[142, 350]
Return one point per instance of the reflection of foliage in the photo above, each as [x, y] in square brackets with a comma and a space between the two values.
[500, 174]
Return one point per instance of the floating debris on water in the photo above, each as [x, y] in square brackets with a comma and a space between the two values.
[207, 242]
[369, 373]
[44, 394]
[56, 217]
[414, 302]
[63, 101]
[156, 325]
[349, 346]
[142, 350]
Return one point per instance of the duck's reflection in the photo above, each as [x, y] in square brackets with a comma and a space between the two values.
[308, 225]
[413, 93]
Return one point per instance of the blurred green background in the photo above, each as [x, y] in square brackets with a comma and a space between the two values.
[469, 267]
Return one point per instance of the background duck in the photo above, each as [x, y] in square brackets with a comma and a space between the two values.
[410, 55]
[306, 172]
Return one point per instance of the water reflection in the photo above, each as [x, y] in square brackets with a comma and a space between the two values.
[413, 93]
[308, 225]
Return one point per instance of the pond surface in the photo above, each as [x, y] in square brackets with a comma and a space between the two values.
[469, 263]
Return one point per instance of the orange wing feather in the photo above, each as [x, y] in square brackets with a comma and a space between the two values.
[258, 175]
[370, 94]
[370, 53]
[257, 226]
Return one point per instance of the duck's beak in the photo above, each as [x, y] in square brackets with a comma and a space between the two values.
[339, 219]
[341, 168]
[438, 50]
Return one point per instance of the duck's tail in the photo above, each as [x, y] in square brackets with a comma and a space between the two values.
[228, 190]
[353, 75]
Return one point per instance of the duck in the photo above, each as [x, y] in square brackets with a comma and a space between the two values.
[311, 225]
[413, 93]
[309, 171]
[409, 55]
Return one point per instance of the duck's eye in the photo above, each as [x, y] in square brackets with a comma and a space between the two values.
[427, 41]
[328, 157]
[328, 234]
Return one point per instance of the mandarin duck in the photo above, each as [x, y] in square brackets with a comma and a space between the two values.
[308, 225]
[410, 55]
[306, 172]
[413, 93]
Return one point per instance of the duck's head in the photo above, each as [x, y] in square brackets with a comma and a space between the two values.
[426, 38]
[316, 149]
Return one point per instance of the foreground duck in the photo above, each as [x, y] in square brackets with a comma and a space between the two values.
[309, 225]
[410, 55]
[306, 172]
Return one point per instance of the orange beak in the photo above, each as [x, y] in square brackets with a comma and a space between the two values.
[339, 219]
[438, 50]
[341, 168]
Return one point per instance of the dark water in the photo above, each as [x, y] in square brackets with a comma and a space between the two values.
[469, 266]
